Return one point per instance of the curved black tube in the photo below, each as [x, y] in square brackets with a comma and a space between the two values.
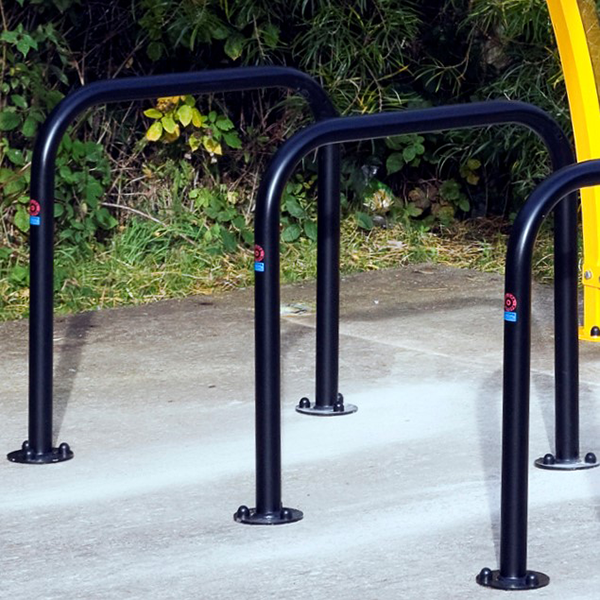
[39, 446]
[335, 131]
[517, 358]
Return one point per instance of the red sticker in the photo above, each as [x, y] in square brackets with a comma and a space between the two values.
[34, 208]
[510, 303]
[259, 253]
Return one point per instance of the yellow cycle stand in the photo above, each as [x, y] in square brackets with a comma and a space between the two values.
[577, 31]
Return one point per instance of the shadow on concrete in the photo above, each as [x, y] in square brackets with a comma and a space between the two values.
[542, 386]
[292, 335]
[489, 423]
[68, 359]
[590, 436]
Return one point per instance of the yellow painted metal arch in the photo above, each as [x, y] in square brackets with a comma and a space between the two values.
[577, 31]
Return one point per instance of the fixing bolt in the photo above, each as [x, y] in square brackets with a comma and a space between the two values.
[587, 275]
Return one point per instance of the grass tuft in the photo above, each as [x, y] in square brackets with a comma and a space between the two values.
[145, 263]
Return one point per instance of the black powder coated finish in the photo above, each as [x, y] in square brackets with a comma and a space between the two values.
[513, 572]
[38, 448]
[267, 325]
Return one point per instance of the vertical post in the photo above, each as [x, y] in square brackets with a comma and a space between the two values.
[328, 401]
[38, 448]
[566, 351]
[513, 573]
[269, 509]
[566, 364]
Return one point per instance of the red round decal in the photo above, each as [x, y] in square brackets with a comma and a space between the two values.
[510, 303]
[259, 253]
[34, 208]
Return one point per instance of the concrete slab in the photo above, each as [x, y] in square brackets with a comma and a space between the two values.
[401, 499]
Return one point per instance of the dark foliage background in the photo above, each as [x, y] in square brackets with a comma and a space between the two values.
[369, 55]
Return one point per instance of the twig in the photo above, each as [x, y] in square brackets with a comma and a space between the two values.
[150, 217]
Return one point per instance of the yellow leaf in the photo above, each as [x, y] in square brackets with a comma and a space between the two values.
[194, 142]
[168, 124]
[154, 132]
[212, 146]
[184, 114]
[197, 119]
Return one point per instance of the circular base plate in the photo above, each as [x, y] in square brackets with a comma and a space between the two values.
[27, 456]
[531, 581]
[564, 465]
[249, 516]
[327, 411]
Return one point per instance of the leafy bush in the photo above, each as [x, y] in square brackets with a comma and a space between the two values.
[369, 56]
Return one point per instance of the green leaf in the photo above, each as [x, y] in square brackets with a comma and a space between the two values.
[16, 157]
[234, 46]
[409, 153]
[291, 233]
[154, 132]
[22, 219]
[93, 191]
[153, 113]
[412, 210]
[232, 140]
[364, 221]
[154, 51]
[9, 120]
[168, 124]
[224, 123]
[271, 35]
[19, 274]
[473, 164]
[19, 101]
[184, 114]
[229, 241]
[25, 44]
[105, 219]
[292, 206]
[396, 142]
[310, 228]
[394, 163]
[220, 32]
[464, 205]
[9, 36]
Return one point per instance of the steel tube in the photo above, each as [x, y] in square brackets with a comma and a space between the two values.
[335, 131]
[328, 282]
[38, 448]
[513, 573]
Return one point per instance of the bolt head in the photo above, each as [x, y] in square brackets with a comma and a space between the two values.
[549, 459]
[304, 403]
[531, 579]
[588, 275]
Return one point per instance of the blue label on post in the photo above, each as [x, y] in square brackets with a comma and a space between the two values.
[34, 220]
[259, 266]
[510, 316]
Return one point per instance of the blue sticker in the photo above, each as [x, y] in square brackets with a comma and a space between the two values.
[259, 266]
[34, 220]
[510, 316]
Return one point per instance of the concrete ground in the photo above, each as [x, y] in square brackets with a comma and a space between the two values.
[400, 500]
